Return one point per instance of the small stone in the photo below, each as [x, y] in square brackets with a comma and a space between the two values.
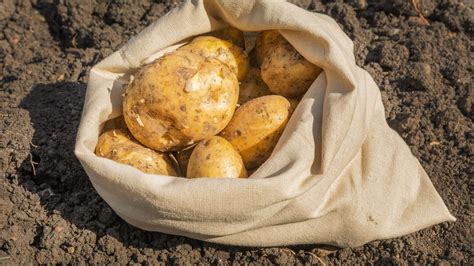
[70, 250]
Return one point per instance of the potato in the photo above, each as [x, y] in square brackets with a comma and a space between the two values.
[286, 72]
[252, 86]
[183, 158]
[256, 127]
[212, 47]
[232, 35]
[283, 69]
[215, 157]
[119, 145]
[266, 40]
[178, 99]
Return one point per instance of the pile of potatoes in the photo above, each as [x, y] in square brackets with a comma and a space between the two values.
[205, 110]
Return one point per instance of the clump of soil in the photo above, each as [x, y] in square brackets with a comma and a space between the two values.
[50, 213]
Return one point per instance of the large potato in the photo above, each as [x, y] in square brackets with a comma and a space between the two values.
[212, 47]
[178, 99]
[286, 72]
[266, 40]
[252, 86]
[230, 34]
[256, 127]
[119, 145]
[215, 157]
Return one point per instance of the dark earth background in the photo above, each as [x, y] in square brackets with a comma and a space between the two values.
[49, 212]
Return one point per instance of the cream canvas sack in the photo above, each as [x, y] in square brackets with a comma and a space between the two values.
[339, 175]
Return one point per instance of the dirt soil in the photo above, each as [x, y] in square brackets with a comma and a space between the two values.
[49, 212]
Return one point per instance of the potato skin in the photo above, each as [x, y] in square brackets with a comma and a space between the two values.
[252, 86]
[286, 72]
[256, 127]
[230, 34]
[119, 145]
[179, 99]
[211, 47]
[215, 157]
[266, 40]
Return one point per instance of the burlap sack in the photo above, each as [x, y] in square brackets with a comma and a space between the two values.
[339, 175]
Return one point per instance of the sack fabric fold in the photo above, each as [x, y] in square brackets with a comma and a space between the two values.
[339, 175]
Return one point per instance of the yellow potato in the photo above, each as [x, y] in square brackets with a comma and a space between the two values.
[178, 99]
[183, 158]
[232, 35]
[256, 127]
[286, 72]
[215, 157]
[119, 145]
[212, 47]
[266, 40]
[252, 86]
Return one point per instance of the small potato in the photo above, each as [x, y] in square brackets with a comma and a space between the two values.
[179, 99]
[183, 158]
[215, 157]
[266, 40]
[252, 86]
[212, 47]
[230, 34]
[256, 127]
[286, 72]
[119, 145]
